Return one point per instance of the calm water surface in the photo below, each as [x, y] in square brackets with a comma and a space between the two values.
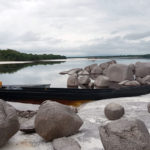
[48, 72]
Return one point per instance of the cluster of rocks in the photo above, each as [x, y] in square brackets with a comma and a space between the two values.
[123, 134]
[104, 74]
[53, 120]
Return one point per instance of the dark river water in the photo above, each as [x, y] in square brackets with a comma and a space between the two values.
[48, 72]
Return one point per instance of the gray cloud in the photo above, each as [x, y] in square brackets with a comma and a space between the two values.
[137, 36]
[74, 27]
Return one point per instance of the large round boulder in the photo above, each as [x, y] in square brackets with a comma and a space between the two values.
[125, 134]
[114, 111]
[84, 80]
[9, 123]
[55, 120]
[142, 69]
[120, 72]
[102, 81]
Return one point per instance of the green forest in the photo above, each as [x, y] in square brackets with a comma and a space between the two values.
[13, 55]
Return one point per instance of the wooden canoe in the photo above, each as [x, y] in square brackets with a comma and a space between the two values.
[28, 93]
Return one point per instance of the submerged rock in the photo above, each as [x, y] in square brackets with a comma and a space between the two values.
[9, 123]
[65, 144]
[55, 120]
[114, 111]
[125, 134]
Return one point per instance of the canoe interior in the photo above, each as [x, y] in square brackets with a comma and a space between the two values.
[28, 93]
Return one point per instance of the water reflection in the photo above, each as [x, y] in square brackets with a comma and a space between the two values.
[12, 68]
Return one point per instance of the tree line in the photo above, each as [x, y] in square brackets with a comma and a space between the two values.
[13, 55]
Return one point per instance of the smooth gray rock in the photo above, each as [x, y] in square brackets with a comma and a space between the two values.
[55, 120]
[120, 72]
[114, 111]
[65, 144]
[102, 81]
[84, 80]
[142, 69]
[125, 134]
[72, 81]
[9, 123]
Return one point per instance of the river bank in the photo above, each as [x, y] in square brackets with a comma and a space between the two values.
[92, 113]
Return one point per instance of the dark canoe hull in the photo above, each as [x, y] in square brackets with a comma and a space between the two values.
[71, 94]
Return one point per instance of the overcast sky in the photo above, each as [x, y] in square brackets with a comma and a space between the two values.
[76, 27]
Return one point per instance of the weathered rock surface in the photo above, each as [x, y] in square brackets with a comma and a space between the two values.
[65, 144]
[101, 81]
[114, 111]
[90, 67]
[96, 70]
[9, 123]
[72, 81]
[142, 69]
[119, 72]
[107, 64]
[125, 134]
[59, 120]
[84, 80]
[28, 126]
